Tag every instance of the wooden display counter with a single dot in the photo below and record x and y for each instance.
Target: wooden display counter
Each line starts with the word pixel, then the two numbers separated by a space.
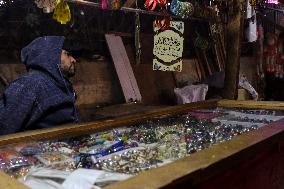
pixel 251 160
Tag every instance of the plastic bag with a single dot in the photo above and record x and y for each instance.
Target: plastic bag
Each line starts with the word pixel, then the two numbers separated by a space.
pixel 191 93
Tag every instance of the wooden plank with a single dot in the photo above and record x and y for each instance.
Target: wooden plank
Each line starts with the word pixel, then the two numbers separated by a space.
pixel 201 65
pixel 123 68
pixel 252 104
pixel 208 65
pixel 120 69
pixel 197 67
pixel 6 182
pixel 128 68
pixel 129 3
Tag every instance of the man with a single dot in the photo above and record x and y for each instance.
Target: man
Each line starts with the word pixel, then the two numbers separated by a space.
pixel 43 97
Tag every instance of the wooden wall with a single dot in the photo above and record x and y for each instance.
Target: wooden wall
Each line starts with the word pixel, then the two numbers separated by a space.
pixel 95 82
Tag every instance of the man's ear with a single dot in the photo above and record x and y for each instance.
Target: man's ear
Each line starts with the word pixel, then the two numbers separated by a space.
pixel 24 55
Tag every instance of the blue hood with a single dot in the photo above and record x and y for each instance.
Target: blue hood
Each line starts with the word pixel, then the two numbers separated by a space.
pixel 44 54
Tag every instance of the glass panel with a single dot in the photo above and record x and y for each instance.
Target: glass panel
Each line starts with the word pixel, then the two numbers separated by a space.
pixel 118 154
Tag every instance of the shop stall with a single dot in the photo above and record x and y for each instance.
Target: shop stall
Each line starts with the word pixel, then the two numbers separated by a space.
pixel 211 144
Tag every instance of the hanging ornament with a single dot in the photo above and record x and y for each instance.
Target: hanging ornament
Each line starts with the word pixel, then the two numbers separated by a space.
pixel 115 4
pixel 182 9
pixel 47 5
pixel 104 4
pixel 271 1
pixel 163 22
pixel 62 12
pixel 260 70
pixel 168 47
pixel 200 42
pixel 251 30
pixel 152 4
pixel 270 52
pixel 137 36
pixel 254 3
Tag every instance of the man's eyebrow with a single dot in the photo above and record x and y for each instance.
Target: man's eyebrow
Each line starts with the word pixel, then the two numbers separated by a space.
pixel 67 52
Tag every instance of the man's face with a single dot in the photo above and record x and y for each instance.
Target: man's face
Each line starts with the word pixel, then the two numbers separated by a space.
pixel 67 64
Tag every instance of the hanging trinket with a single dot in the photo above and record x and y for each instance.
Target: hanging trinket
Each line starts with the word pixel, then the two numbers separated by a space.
pixel 47 5
pixel 223 11
pixel 200 42
pixel 260 70
pixel 13 160
pixel 280 58
pixel 182 9
pixel 137 37
pixel 104 4
pixel 152 4
pixel 115 4
pixel 62 12
pixel 163 22
pixel 254 3
pixel 270 52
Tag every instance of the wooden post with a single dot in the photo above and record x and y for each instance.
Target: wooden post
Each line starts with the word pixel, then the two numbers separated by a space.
pixel 234 33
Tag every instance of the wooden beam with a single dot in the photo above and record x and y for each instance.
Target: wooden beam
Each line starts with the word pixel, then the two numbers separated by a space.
pixel 269 21
pixel 252 104
pixel 129 3
pixel 233 49
pixel 8 182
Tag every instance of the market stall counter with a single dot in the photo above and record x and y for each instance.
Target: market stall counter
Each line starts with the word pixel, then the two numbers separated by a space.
pixel 211 144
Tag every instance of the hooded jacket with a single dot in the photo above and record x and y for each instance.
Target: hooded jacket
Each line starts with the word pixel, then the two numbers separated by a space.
pixel 42 97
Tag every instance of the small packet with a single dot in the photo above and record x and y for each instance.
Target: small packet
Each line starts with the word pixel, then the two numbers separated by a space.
pixel 105 149
pixel 3 165
pixel 13 159
pixel 28 149
pixel 19 172
pixel 57 147
pixel 53 158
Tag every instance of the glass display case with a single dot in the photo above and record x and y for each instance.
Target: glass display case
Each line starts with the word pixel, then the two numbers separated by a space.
pixel 189 145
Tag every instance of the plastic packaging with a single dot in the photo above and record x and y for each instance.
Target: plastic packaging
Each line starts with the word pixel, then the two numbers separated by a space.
pixel 28 149
pixel 53 158
pixel 13 159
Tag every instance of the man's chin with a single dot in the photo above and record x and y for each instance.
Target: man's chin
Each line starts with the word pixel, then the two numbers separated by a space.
pixel 71 74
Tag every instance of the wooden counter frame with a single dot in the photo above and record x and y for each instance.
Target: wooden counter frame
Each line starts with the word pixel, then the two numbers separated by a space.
pixel 189 171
